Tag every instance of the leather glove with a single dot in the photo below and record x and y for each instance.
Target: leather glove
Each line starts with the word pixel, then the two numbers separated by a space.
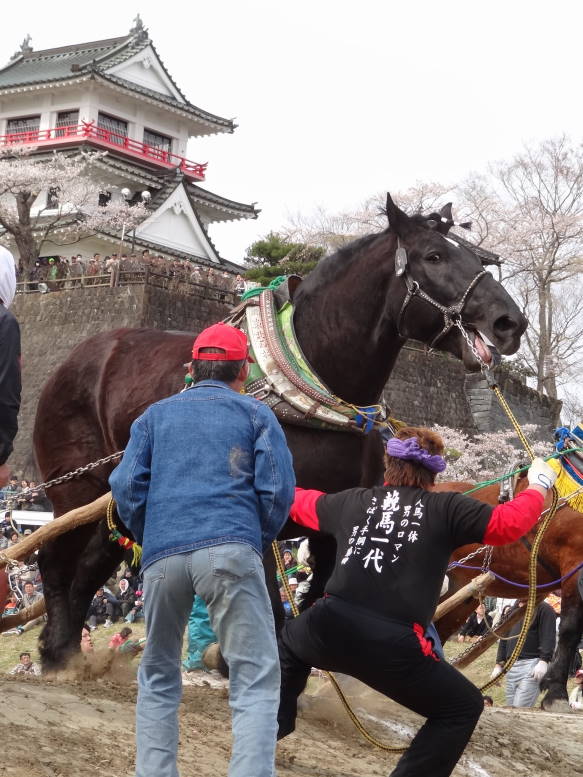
pixel 541 474
pixel 495 672
pixel 540 670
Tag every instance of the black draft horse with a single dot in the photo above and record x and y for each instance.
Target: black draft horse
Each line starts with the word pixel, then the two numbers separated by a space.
pixel 352 316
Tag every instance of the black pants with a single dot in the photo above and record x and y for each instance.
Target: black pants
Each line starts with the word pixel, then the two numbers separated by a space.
pixel 389 657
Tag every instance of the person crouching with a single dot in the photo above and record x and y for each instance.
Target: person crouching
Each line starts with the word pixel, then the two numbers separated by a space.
pixel 393 547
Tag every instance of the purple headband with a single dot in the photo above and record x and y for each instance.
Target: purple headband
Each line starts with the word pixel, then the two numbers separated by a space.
pixel 410 450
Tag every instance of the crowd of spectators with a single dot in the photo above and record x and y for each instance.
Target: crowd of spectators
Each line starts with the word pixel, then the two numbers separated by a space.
pixel 121 599
pixel 23 495
pixel 79 270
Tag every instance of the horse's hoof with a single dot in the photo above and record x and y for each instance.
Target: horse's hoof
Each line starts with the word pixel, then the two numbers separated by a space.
pixel 556 705
pixel 212 658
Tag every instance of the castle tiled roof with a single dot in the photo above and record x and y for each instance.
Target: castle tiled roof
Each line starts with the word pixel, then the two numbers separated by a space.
pixel 95 59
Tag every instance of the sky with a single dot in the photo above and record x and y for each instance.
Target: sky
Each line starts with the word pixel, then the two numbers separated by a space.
pixel 337 100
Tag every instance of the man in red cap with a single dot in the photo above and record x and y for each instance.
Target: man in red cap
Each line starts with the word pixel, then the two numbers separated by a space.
pixel 205 484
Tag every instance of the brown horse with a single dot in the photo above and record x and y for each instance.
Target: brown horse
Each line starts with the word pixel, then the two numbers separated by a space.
pixel 561 551
pixel 352 316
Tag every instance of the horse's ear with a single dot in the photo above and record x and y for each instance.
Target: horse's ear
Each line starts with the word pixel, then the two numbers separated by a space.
pixel 445 219
pixel 446 212
pixel 398 220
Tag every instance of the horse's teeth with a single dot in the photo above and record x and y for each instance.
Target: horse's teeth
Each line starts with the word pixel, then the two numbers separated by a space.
pixel 486 340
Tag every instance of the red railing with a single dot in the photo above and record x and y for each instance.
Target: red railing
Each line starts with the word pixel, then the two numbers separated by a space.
pixel 103 137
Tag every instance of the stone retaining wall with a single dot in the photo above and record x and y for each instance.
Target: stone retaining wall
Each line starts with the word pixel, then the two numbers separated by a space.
pixel 425 388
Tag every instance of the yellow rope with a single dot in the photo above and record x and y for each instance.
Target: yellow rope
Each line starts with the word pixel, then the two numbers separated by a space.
pixel 532 563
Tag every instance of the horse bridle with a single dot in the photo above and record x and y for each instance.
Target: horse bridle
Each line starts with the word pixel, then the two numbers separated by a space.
pixel 452 315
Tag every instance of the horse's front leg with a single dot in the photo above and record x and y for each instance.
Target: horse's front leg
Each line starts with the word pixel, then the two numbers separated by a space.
pixel 98 562
pixel 570 630
pixel 57 562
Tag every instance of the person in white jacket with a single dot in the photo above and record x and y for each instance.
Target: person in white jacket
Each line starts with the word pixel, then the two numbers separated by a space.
pixel 9 363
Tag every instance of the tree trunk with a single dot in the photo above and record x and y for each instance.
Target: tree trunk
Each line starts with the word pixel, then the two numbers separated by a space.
pixel 543 340
pixel 23 234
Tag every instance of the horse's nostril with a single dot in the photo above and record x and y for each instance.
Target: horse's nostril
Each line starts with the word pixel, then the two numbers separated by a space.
pixel 505 325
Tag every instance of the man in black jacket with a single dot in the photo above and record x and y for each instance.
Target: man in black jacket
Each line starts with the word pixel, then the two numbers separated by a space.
pixel 523 680
pixel 9 363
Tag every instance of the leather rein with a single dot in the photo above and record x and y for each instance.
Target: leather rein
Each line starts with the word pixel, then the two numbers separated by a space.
pixel 452 315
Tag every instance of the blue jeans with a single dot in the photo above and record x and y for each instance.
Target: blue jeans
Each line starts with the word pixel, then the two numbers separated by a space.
pixel 230 579
pixel 522 689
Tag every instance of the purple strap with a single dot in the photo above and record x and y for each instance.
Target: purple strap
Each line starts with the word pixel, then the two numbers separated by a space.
pixel 410 450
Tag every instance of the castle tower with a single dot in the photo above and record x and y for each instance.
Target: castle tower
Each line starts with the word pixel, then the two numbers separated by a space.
pixel 116 95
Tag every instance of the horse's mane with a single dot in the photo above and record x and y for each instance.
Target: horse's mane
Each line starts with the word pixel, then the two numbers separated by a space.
pixel 330 267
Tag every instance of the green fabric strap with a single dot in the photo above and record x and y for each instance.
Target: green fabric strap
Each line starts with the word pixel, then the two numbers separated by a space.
pixel 272 286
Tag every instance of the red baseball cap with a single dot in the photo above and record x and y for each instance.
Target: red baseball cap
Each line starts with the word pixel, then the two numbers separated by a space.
pixel 232 341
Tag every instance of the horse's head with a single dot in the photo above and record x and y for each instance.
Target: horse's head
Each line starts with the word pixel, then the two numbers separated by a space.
pixel 439 287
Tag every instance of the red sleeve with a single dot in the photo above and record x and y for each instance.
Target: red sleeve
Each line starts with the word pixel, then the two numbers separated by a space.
pixel 303 510
pixel 512 520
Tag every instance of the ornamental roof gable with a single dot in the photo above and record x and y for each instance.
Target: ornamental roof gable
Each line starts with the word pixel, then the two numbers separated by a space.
pixel 146 70
pixel 175 223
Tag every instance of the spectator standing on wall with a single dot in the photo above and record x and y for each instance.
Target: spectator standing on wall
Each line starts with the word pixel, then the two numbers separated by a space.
pixel 10 384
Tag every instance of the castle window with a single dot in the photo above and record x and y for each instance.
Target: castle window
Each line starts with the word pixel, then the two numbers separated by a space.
pixel 114 130
pixel 25 125
pixel 66 119
pixel 157 141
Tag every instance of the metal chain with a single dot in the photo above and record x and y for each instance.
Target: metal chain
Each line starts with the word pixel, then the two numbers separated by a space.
pixel 488 558
pixel 74 473
pixel 471 345
pixel 468 557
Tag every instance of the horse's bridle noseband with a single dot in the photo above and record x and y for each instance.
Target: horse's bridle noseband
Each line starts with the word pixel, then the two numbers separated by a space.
pixel 452 315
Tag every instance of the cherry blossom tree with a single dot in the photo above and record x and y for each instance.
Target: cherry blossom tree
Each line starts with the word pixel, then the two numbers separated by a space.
pixel 58 198
pixel 488 456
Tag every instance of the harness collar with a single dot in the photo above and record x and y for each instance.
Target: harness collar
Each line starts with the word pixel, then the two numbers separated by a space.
pixel 452 315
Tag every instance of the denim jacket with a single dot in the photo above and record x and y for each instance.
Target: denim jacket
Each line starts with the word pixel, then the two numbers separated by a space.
pixel 204 467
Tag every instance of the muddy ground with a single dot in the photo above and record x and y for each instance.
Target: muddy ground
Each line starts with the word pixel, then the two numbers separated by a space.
pixel 82 728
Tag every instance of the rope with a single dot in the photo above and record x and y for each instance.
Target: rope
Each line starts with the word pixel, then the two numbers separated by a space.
pixel 523 585
pixel 116 536
pixel 341 695
pixel 506 475
pixel 532 564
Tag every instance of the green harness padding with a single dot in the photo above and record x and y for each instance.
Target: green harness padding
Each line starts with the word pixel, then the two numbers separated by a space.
pixel 364 418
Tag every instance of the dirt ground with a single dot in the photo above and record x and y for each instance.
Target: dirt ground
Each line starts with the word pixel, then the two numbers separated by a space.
pixel 80 727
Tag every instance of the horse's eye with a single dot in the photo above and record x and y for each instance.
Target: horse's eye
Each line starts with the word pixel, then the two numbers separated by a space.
pixel 435 257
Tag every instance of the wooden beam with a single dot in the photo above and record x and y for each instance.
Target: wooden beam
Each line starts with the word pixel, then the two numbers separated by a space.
pixel 471 590
pixel 23 616
pixel 80 516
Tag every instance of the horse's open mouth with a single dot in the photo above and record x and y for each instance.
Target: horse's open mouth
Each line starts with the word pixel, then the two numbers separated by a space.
pixel 483 346
pixel 485 349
